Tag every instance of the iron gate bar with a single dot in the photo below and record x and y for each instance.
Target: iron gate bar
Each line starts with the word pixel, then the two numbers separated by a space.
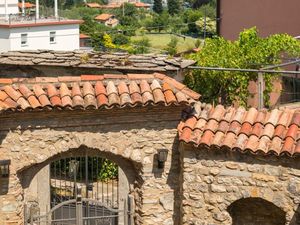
pixel 66 176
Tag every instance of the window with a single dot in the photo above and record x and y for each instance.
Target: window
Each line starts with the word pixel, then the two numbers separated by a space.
pixel 52 37
pixel 24 39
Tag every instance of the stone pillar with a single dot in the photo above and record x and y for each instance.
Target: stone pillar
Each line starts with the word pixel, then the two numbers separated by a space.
pixel 123 194
pixel 39 189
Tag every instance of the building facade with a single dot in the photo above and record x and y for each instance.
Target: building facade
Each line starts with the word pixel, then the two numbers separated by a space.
pixel 269 16
pixel 185 162
pixel 8 7
pixel 52 35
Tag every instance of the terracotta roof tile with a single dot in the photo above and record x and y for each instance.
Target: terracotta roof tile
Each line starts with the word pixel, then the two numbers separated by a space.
pixel 65 95
pixel 280 131
pixel 135 93
pixel 31 98
pixel 77 99
pixel 93 92
pixel 251 115
pixel 54 95
pixel 89 96
pixel 41 96
pixel 259 132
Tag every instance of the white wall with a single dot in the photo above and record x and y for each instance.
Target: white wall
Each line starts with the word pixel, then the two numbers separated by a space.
pixel 4 41
pixel 67 38
pixel 12 7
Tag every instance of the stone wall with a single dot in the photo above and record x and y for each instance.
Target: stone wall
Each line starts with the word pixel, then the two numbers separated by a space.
pixel 214 180
pixel 129 137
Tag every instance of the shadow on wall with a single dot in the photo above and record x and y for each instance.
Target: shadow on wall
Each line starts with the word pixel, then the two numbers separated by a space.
pixel 4 179
pixel 296 218
pixel 173 179
pixel 249 211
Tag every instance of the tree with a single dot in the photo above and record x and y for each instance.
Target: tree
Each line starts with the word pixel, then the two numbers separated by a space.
pixel 129 10
pixel 173 7
pixel 172 46
pixel 191 17
pixel 120 39
pixel 107 41
pixel 249 52
pixel 157 6
pixel 160 22
pixel 141 46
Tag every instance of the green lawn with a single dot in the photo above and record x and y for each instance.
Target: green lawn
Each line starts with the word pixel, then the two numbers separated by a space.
pixel 160 41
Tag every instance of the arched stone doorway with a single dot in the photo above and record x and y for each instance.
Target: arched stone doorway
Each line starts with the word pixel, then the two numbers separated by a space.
pixel 102 183
pixel 256 211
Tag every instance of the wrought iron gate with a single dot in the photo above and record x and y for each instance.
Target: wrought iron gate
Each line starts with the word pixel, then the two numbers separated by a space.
pixel 84 191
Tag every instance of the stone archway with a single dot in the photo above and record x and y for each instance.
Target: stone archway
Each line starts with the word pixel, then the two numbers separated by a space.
pixel 35 180
pixel 256 211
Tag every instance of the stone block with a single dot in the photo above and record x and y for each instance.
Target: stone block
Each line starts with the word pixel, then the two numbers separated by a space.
pixel 234 173
pixel 263 177
pixel 218 188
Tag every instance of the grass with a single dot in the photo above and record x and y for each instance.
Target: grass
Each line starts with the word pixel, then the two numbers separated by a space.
pixel 160 41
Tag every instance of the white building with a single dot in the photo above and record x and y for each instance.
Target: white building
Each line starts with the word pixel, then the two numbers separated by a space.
pixel 8 7
pixel 19 32
pixel 53 35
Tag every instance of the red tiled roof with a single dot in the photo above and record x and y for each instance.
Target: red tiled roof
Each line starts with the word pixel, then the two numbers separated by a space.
pixel 141 5
pixel 92 92
pixel 103 17
pixel 27 5
pixel 267 132
pixel 113 22
pixel 93 5
pixel 84 36
pixel 111 6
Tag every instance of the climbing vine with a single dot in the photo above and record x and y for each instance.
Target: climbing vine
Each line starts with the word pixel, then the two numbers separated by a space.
pixel 249 52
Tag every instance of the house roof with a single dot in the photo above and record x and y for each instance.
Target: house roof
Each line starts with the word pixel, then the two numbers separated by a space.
pixel 84 36
pixel 93 5
pixel 92 92
pixel 259 132
pixel 118 61
pixel 27 5
pixel 141 5
pixel 38 23
pixel 103 16
pixel 111 6
pixel 113 21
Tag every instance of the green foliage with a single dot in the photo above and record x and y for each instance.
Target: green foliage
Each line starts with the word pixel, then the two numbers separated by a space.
pixel 172 46
pixel 249 51
pixel 80 13
pixel 157 6
pixel 176 24
pixel 191 16
pixel 120 39
pixel 211 26
pixel 198 43
pixel 108 171
pixel 107 41
pixel 173 6
pixel 141 46
pixel 160 22
pixel 129 10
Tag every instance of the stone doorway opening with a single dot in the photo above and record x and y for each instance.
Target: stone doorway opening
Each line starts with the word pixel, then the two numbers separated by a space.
pixel 82 189
pixel 256 211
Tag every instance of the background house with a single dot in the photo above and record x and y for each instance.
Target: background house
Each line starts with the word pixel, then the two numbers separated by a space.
pixel 32 32
pixel 107 19
pixel 269 16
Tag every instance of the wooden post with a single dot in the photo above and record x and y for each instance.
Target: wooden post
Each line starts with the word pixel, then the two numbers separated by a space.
pixel 261 88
